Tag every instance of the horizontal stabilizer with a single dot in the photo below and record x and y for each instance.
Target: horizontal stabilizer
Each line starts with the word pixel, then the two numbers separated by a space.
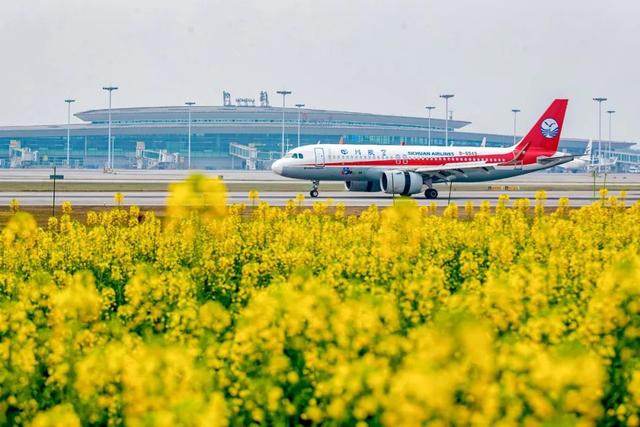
pixel 546 160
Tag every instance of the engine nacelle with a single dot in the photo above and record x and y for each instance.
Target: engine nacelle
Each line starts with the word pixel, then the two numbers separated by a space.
pixel 401 182
pixel 364 186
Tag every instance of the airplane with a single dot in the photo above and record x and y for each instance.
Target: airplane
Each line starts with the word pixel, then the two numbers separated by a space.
pixel 405 169
pixel 581 162
pixel 587 161
pixel 606 162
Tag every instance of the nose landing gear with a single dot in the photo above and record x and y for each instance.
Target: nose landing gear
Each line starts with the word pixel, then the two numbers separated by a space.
pixel 314 189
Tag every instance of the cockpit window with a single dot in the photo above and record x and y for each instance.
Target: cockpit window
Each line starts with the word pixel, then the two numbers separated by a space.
pixel 300 156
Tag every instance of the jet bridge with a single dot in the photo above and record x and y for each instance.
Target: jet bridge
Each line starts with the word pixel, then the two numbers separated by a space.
pixel 247 153
pixel 155 159
pixel 21 157
pixel 251 157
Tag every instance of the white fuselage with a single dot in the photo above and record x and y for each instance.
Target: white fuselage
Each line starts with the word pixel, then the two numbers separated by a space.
pixel 585 163
pixel 580 163
pixel 340 162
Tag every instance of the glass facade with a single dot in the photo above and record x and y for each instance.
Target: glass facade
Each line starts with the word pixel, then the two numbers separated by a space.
pixel 208 150
pixel 214 129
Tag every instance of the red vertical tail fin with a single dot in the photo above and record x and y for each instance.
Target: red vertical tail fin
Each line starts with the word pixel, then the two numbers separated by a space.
pixel 544 136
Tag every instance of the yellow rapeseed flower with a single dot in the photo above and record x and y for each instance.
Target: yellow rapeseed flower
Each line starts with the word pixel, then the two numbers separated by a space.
pixel 118 198
pixel 393 316
pixel 14 205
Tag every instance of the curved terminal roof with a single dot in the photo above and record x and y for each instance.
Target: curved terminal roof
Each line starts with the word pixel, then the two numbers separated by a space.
pixel 242 114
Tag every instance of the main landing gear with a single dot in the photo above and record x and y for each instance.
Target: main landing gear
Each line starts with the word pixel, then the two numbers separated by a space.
pixel 431 193
pixel 314 190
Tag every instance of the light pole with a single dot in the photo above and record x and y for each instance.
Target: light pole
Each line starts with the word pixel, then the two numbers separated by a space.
pixel 446 117
pixel 599 100
pixel 299 107
pixel 189 104
pixel 429 107
pixel 515 112
pixel 69 101
pixel 610 112
pixel 109 156
pixel 284 94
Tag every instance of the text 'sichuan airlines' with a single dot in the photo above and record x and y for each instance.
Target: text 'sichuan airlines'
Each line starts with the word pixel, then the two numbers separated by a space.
pixel 405 169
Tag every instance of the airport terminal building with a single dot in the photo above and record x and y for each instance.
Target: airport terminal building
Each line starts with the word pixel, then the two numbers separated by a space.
pixel 226 137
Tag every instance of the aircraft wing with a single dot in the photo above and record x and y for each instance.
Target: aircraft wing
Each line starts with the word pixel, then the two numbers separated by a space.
pixel 443 172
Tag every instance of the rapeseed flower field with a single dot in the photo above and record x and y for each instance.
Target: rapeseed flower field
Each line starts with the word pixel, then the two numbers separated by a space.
pixel 222 316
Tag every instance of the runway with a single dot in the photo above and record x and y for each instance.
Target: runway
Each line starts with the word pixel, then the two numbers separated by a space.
pixel 275 198
pixel 278 191
pixel 134 175
pixel 264 176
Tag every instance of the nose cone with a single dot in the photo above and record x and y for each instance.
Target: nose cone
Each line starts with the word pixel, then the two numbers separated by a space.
pixel 277 166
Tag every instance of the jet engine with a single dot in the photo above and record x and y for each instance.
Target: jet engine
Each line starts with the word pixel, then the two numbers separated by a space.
pixel 365 186
pixel 401 182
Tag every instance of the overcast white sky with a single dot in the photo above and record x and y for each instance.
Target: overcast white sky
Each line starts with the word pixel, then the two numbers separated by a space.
pixel 386 56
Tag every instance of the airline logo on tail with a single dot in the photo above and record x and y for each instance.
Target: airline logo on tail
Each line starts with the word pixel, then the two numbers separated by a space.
pixel 543 138
pixel 549 128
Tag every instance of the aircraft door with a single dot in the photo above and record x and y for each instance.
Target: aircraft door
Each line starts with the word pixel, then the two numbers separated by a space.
pixel 319 152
